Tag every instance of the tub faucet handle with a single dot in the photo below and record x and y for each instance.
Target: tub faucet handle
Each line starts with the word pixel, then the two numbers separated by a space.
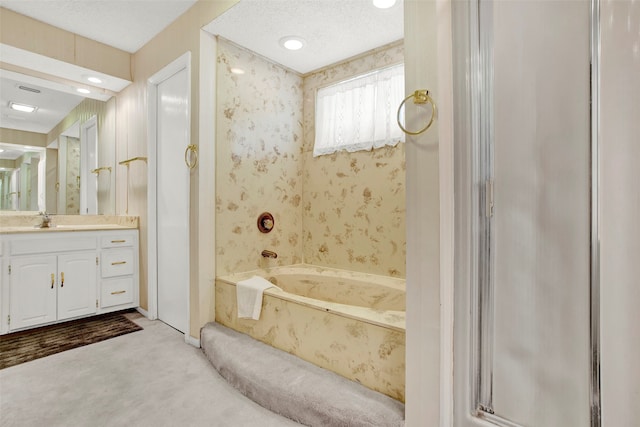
pixel 269 254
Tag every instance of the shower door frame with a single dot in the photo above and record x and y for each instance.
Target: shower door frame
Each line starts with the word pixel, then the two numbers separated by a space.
pixel 473 254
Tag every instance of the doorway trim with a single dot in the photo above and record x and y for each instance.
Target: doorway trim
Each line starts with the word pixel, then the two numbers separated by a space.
pixel 206 175
pixel 179 64
pixel 87 152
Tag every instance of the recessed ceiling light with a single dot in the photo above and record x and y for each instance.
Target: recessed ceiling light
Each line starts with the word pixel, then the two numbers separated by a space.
pixel 384 4
pixel 22 107
pixel 1 150
pixel 94 79
pixel 237 71
pixel 83 90
pixel 292 42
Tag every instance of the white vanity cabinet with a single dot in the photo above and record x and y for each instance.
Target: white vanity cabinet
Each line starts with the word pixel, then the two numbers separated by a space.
pixel 118 271
pixel 52 276
pixel 33 290
pixel 47 288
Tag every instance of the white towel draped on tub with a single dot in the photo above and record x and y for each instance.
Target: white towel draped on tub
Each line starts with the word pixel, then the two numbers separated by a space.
pixel 249 296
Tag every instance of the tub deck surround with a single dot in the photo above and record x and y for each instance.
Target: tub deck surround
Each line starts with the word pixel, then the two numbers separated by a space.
pixel 10 224
pixel 363 344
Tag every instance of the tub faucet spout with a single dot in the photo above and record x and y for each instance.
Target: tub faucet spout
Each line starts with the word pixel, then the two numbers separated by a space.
pixel 269 254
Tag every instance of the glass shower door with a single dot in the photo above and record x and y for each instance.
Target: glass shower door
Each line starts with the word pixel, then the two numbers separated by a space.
pixel 534 247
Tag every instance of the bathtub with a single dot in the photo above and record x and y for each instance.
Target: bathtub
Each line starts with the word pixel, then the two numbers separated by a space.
pixel 347 322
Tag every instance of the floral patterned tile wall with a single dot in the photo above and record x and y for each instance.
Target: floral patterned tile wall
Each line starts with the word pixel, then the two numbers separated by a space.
pixel 354 203
pixel 258 161
pixel 345 210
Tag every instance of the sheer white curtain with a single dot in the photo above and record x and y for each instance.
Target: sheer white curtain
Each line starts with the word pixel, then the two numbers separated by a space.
pixel 360 113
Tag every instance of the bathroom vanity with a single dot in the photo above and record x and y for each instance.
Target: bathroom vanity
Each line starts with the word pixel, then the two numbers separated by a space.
pixel 66 272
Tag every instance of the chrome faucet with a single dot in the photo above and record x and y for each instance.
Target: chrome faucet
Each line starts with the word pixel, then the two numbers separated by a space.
pixel 46 220
pixel 269 254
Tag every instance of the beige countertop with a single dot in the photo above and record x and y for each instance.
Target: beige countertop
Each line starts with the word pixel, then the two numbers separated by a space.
pixel 11 224
pixel 63 228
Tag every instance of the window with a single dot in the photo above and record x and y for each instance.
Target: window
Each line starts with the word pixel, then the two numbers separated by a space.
pixel 359 113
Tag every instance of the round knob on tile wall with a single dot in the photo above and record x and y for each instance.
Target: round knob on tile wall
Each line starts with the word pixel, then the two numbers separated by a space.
pixel 265 222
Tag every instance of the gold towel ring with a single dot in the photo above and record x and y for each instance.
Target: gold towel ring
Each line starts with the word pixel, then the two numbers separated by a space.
pixel 420 97
pixel 187 158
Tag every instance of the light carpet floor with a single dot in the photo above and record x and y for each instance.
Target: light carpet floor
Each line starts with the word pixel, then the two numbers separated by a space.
pixel 147 378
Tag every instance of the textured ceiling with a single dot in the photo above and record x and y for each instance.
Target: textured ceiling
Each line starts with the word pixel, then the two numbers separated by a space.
pixel 334 30
pixel 125 24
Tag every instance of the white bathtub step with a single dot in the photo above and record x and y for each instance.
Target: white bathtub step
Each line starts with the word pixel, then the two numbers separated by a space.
pixel 294 388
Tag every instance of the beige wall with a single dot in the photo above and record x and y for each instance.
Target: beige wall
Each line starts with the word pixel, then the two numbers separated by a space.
pixel 354 203
pixel 4 163
pixel 28 34
pixel 12 136
pixel 259 165
pixel 179 37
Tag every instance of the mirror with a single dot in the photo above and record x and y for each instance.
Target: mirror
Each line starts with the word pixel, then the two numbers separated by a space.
pixel 21 170
pixel 60 157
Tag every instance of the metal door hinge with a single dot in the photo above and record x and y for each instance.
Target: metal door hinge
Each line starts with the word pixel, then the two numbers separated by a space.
pixel 96 303
pixel 488 194
pixel 96 260
pixel 9 269
pixel 9 319
pixel 486 409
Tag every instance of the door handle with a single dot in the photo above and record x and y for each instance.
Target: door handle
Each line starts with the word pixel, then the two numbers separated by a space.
pixel 62 279
pixel 191 148
pixel 53 279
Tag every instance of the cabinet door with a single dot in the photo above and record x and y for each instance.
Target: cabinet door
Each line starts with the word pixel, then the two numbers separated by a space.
pixel 32 290
pixel 76 284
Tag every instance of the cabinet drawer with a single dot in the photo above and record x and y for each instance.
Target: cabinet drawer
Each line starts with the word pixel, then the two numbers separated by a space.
pixel 116 292
pixel 117 262
pixel 58 243
pixel 117 240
